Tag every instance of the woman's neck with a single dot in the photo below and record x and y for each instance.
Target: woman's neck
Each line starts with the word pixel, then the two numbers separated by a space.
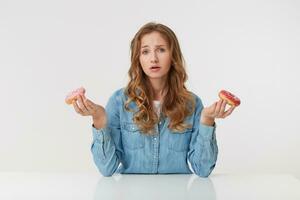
pixel 158 86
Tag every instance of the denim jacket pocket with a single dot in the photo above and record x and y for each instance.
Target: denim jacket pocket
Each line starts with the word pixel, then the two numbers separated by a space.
pixel 131 136
pixel 179 141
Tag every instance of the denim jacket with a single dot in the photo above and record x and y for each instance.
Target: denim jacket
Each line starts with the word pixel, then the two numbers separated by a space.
pixel 120 146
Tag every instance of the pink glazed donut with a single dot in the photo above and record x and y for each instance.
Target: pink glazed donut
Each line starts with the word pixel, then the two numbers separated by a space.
pixel 72 96
pixel 230 98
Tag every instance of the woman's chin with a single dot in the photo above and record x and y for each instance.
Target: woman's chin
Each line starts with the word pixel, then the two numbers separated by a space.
pixel 156 76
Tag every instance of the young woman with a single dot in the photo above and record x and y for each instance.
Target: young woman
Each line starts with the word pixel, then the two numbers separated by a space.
pixel 154 124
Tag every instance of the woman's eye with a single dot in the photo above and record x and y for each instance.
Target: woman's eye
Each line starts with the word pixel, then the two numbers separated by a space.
pixel 144 52
pixel 162 50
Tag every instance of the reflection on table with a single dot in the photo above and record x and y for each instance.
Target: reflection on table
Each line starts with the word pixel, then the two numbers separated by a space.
pixel 137 187
pixel 93 186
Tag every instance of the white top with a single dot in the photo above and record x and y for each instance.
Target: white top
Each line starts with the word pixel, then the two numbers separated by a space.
pixel 157 106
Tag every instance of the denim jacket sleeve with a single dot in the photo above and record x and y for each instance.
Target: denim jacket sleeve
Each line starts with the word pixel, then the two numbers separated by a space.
pixel 203 149
pixel 106 148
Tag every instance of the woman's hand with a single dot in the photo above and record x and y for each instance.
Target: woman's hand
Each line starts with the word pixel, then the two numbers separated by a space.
pixel 216 110
pixel 86 107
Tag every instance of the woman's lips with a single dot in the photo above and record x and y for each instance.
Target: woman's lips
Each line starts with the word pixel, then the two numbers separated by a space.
pixel 155 68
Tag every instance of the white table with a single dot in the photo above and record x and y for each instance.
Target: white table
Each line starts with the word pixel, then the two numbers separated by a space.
pixel 14 185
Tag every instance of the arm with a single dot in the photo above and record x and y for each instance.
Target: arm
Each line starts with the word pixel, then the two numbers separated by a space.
pixel 203 149
pixel 106 145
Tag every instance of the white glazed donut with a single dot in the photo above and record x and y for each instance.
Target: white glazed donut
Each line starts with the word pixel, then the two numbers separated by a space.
pixel 72 96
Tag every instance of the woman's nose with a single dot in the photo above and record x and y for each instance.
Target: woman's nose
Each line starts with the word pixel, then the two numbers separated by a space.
pixel 154 57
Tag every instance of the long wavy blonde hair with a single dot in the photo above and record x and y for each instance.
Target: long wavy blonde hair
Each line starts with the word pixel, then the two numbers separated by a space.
pixel 178 102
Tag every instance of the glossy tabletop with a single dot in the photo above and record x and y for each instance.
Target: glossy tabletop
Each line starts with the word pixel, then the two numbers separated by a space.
pixel 15 185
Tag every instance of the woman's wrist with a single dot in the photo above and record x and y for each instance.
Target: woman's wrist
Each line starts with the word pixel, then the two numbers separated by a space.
pixel 98 124
pixel 99 121
pixel 208 121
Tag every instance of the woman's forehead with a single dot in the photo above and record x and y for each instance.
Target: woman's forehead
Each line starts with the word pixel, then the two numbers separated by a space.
pixel 153 39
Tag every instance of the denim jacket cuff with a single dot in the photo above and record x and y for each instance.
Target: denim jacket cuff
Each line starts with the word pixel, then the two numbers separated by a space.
pixel 101 134
pixel 207 132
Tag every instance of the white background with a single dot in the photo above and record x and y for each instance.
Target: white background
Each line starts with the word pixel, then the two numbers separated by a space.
pixel 48 48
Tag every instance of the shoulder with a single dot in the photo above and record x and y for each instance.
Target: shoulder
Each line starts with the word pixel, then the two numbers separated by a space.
pixel 118 95
pixel 119 92
pixel 198 100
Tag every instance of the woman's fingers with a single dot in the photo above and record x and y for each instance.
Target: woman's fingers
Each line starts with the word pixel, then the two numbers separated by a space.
pixel 229 111
pixel 85 106
pixel 223 106
pixel 209 111
pixel 81 104
pixel 91 106
pixel 77 109
pixel 81 107
pixel 222 109
pixel 217 110
pixel 90 103
pixel 218 107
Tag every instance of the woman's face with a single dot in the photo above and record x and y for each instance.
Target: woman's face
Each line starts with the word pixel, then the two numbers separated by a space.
pixel 155 56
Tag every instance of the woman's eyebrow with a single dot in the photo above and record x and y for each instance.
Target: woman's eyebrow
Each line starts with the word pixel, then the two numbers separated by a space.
pixel 161 45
